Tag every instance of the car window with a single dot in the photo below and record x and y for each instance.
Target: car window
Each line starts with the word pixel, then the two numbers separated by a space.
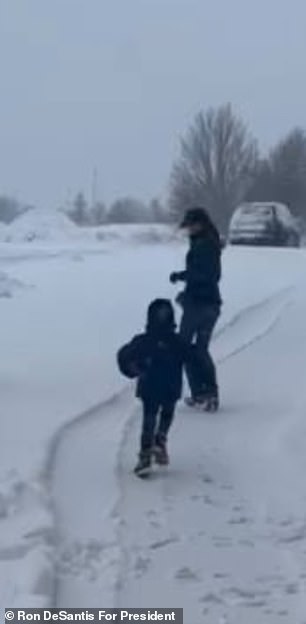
pixel 257 210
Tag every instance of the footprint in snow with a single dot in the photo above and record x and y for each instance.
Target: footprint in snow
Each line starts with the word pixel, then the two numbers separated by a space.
pixel 240 520
pixel 43 534
pixel 297 536
pixel 186 574
pixel 151 513
pixel 255 604
pixel 237 508
pixel 246 542
pixel 77 558
pixel 291 589
pixel 142 564
pixel 227 488
pixel 212 598
pixel 207 479
pixel 155 525
pixel 286 522
pixel 247 597
pixel 222 542
pixel 163 543
pixel 209 501
pixel 274 580
pixel 268 611
pixel 195 497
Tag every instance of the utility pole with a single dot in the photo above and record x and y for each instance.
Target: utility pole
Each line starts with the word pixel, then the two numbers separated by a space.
pixel 94 187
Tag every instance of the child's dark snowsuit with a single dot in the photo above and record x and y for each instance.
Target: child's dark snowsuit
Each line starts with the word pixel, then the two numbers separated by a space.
pixel 156 358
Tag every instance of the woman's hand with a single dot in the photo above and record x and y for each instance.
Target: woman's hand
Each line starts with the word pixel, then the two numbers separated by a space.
pixel 174 277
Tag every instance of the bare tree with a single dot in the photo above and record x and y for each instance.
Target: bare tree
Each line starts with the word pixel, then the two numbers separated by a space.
pixel 282 176
pixel 218 157
pixel 288 166
pixel 262 186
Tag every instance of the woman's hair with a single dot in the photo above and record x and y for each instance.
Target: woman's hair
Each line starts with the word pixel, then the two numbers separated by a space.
pixel 208 226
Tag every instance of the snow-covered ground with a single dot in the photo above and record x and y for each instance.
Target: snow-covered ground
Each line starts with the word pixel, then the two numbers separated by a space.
pixel 222 534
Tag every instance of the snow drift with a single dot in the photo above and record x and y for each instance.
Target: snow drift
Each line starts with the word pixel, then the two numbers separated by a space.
pixel 53 226
pixel 38 225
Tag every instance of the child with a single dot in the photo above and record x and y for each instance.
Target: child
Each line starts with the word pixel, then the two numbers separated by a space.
pixel 156 358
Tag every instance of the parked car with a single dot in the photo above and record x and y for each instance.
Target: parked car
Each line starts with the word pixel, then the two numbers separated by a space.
pixel 264 223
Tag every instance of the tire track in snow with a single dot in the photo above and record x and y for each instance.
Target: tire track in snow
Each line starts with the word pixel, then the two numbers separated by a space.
pixel 236 335
pixel 273 308
pixel 83 563
pixel 78 553
pixel 253 307
pixel 236 536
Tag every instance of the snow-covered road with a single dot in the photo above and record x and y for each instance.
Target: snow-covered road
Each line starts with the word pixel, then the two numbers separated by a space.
pixel 223 532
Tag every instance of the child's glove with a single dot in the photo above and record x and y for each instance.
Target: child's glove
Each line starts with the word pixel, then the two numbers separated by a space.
pixel 138 369
pixel 134 369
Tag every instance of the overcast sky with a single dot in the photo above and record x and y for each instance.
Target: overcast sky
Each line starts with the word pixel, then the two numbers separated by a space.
pixel 112 84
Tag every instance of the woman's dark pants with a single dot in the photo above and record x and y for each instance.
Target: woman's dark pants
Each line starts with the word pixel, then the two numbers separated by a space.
pixel 197 325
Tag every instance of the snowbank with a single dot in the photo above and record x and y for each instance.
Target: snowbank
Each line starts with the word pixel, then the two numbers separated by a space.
pixel 47 226
pixel 40 225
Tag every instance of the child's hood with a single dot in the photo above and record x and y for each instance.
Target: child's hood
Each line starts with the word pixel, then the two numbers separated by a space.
pixel 160 316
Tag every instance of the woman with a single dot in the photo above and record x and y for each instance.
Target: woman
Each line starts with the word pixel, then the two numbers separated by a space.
pixel 201 303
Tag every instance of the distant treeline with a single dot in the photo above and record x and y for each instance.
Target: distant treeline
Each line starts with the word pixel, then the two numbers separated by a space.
pixel 219 166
